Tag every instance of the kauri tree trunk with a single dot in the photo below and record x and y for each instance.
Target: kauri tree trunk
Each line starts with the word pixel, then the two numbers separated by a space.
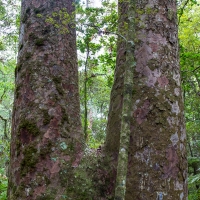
pixel 46 128
pixel 157 167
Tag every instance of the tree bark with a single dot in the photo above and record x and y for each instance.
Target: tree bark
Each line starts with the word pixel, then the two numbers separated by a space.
pixel 112 141
pixel 122 165
pixel 157 159
pixel 157 166
pixel 46 144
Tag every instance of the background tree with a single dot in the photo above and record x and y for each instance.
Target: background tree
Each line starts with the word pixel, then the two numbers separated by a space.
pixel 46 142
pixel 96 63
pixel 115 109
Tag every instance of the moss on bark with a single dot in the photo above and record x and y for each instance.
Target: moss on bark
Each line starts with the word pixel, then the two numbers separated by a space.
pixel 29 126
pixel 30 159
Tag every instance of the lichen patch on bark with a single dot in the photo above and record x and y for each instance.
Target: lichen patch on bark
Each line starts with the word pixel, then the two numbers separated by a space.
pixel 141 113
pixel 171 170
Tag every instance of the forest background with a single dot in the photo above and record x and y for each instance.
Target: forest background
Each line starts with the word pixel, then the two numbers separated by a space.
pixel 96 43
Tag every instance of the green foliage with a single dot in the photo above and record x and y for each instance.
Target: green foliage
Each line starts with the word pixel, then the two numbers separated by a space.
pixel 9 23
pixel 2 45
pixel 194 179
pixel 2 11
pixel 189 35
pixel 193 184
pixel 3 184
pixel 96 42
pixel 4 159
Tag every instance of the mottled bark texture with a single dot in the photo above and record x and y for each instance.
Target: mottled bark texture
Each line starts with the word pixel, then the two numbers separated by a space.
pixel 46 127
pixel 157 166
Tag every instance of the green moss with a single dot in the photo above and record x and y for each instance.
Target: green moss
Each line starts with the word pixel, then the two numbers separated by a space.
pixel 17 91
pixel 28 10
pixel 18 68
pixel 46 149
pixel 18 145
pixel 12 186
pixel 28 55
pixel 170 14
pixel 125 26
pixel 37 63
pixel 57 82
pixel 60 90
pixel 65 117
pixel 133 92
pixel 39 41
pixel 46 117
pixel 137 20
pixel 49 195
pixel 148 11
pixel 39 15
pixel 30 159
pixel 140 11
pixel 151 11
pixel 18 191
pixel 32 36
pixel 64 176
pixel 24 18
pixel 38 10
pixel 71 146
pixel 47 180
pixel 31 127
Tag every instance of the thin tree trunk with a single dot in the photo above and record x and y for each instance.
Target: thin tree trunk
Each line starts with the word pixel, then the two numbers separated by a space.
pixel 46 129
pixel 120 188
pixel 194 165
pixel 112 141
pixel 86 95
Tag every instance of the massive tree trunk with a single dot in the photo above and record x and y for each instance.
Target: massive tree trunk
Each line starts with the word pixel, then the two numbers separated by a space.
pixel 46 127
pixel 157 166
